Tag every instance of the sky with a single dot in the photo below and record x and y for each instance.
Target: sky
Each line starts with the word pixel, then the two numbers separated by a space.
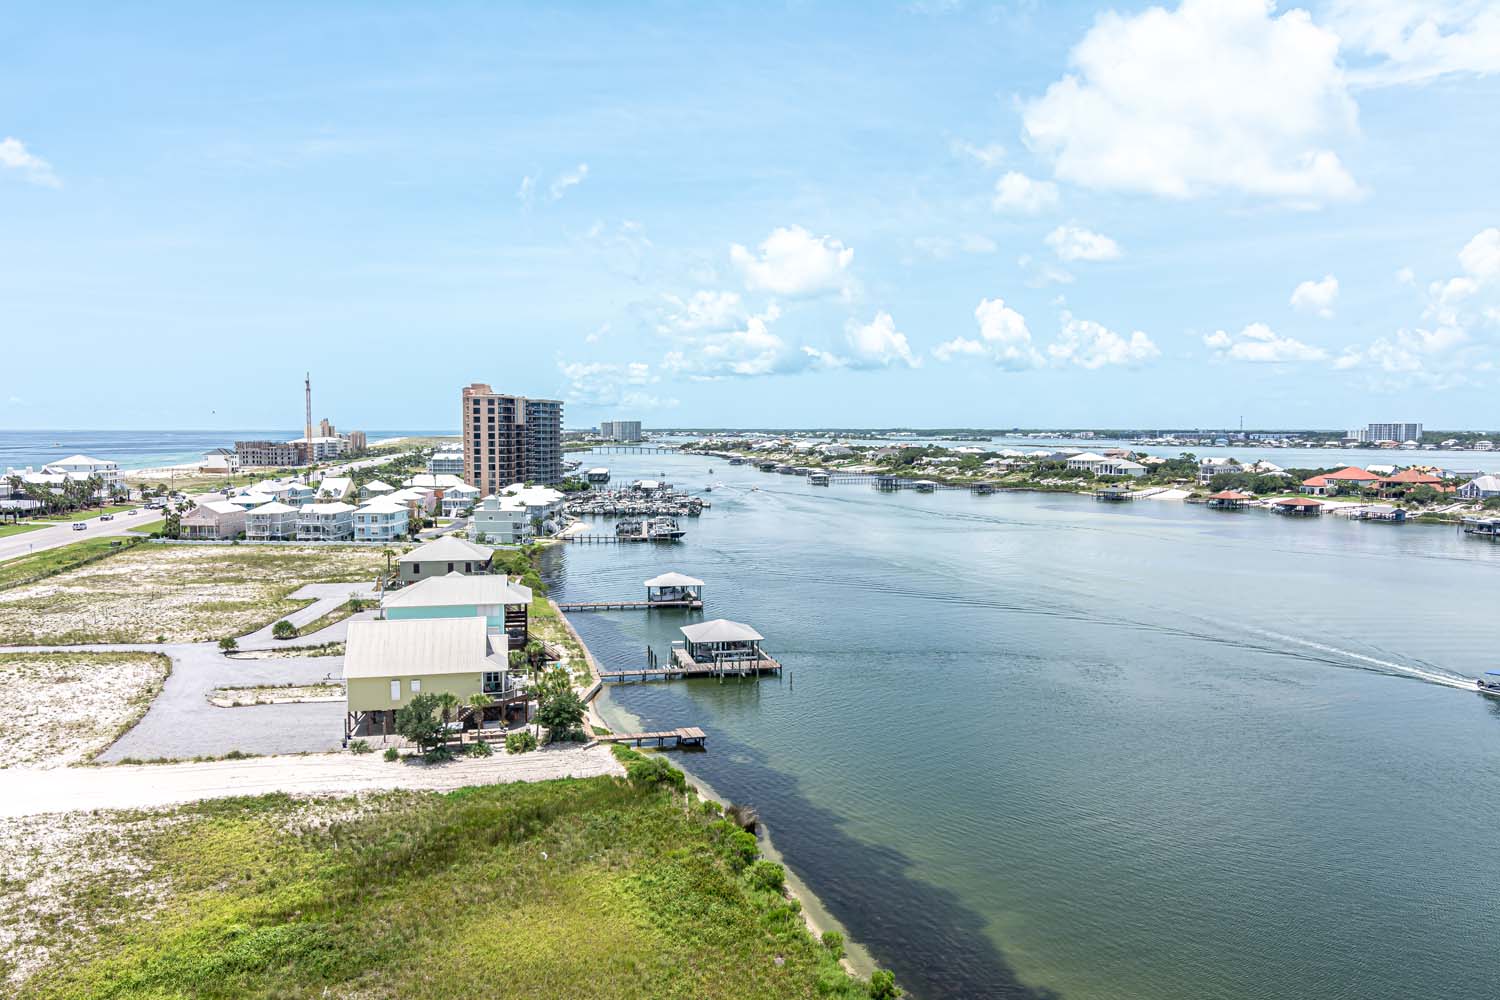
pixel 940 213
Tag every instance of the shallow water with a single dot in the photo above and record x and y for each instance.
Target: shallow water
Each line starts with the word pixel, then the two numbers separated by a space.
pixel 1031 745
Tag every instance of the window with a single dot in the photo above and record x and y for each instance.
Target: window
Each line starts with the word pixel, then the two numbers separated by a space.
pixel 416 569
pixel 395 690
pixel 416 686
pixel 450 567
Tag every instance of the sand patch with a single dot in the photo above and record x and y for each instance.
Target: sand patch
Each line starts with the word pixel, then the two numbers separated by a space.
pixel 63 708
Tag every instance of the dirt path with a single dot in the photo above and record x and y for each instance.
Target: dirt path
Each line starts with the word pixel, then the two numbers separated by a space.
pixel 25 792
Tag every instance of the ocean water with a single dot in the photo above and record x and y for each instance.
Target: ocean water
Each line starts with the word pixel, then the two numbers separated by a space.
pixel 141 449
pixel 1035 746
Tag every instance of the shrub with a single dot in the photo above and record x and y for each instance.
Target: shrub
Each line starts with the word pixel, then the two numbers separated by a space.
pixel 228 643
pixel 418 721
pixel 520 742
pixel 767 876
pixel 392 754
pixel 883 985
pixel 238 755
pixel 834 942
pixel 562 714
pixel 361 746
pixel 438 755
pixel 711 808
pixel 740 848
pixel 480 748
pixel 283 630
pixel 655 772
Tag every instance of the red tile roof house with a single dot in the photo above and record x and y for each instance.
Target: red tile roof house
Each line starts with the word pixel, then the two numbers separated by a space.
pixel 1351 478
pixel 1406 479
pixel 1318 486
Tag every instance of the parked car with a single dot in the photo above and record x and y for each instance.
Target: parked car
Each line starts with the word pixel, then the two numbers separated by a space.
pixel 80 526
pixel 130 513
pixel 106 517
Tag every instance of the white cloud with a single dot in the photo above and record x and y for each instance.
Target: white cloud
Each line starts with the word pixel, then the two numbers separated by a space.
pixel 1481 255
pixel 1406 276
pixel 795 263
pixel 599 383
pixel 1015 192
pixel 1041 273
pixel 1317 296
pixel 943 247
pixel 527 190
pixel 1003 338
pixel 991 155
pixel 1092 345
pixel 1259 344
pixel 15 156
pixel 1413 40
pixel 878 343
pixel 568 179
pixel 1077 243
pixel 1217 95
pixel 748 351
pixel 703 311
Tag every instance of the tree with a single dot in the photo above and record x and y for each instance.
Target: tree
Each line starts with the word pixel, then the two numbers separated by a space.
pixel 883 985
pixel 171 525
pixel 447 703
pixel 479 701
pixel 562 714
pixel 418 721
pixel 228 644
pixel 283 630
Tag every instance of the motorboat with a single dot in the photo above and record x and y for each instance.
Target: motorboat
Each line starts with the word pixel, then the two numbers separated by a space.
pixel 1489 683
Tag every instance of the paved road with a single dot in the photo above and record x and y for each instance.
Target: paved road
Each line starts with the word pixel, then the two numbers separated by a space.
pixel 25 791
pixel 55 535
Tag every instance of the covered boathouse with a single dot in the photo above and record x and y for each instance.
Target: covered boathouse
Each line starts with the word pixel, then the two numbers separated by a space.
pixel 674 590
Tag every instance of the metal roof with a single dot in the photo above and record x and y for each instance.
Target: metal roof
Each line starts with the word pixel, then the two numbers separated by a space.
pixel 417 647
pixel 447 548
pixel 720 630
pixel 459 589
pixel 673 580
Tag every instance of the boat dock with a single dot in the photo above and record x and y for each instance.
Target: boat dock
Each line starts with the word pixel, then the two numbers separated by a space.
pixel 684 666
pixel 692 605
pixel 687 736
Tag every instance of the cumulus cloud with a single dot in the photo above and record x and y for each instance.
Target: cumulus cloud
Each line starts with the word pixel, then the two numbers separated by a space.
pixel 795 263
pixel 1091 345
pixel 1004 339
pixel 1317 296
pixel 1077 243
pixel 749 350
pixel 1259 344
pixel 705 310
pixel 15 156
pixel 599 383
pixel 1217 95
pixel 878 343
pixel 1413 40
pixel 1017 193
pixel 1480 257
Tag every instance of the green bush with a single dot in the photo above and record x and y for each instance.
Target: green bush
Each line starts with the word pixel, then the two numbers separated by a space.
pixel 480 748
pixel 767 876
pixel 655 772
pixel 520 742
pixel 391 753
pixel 227 644
pixel 711 808
pixel 883 985
pixel 834 942
pixel 739 847
pixel 438 755
pixel 361 746
pixel 283 630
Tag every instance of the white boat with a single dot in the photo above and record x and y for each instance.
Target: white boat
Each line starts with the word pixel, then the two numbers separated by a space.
pixel 1489 683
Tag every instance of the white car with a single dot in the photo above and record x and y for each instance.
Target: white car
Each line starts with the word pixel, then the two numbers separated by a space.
pixel 80 526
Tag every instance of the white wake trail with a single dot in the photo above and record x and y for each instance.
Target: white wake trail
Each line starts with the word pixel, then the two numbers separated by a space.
pixel 1431 676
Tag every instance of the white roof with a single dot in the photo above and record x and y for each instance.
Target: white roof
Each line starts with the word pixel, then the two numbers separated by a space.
pixel 1088 456
pixel 275 507
pixel 382 505
pixel 720 630
pixel 326 508
pixel 459 589
pixel 253 499
pixel 376 484
pixel 335 485
pixel 673 580
pixel 462 489
pixel 80 460
pixel 218 507
pixel 447 548
pixel 1485 483
pixel 409 493
pixel 438 481
pixel 418 647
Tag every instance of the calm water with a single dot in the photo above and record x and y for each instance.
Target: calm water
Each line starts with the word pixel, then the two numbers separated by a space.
pixel 139 449
pixel 1035 746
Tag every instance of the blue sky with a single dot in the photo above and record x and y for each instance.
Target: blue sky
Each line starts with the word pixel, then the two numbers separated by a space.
pixel 932 214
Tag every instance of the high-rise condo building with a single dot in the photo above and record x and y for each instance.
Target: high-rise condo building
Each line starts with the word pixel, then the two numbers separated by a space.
pixel 620 430
pixel 510 439
pixel 1389 432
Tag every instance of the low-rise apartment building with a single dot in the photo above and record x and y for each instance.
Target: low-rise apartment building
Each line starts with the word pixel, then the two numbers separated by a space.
pixel 500 521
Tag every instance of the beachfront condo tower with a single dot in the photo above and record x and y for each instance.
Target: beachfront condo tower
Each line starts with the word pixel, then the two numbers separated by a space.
pixel 510 439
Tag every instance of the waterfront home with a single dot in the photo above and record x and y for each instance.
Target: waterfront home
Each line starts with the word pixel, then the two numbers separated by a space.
pixel 721 640
pixel 491 596
pixel 1480 488
pixel 214 520
pixel 500 521
pixel 1298 506
pixel 81 467
pixel 1351 478
pixel 1105 465
pixel 381 520
pixel 1228 500
pixel 335 488
pixel 674 588
pixel 220 462
pixel 443 556
pixel 1210 467
pixel 457 499
pixel 1408 479
pixel 387 663
pixel 375 488
pixel 272 522
pixel 325 522
pixel 1317 486
pixel 541 501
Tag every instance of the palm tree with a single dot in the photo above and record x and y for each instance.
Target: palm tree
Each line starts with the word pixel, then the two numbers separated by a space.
pixel 479 701
pixel 447 701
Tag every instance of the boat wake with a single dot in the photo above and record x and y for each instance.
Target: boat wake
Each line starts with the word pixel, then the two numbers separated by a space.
pixel 1431 676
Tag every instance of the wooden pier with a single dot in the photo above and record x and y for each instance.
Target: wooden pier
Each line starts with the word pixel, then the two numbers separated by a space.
pixel 687 736
pixel 627 605
pixel 684 666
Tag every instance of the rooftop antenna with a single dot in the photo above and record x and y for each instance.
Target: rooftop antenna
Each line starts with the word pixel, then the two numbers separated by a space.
pixel 307 436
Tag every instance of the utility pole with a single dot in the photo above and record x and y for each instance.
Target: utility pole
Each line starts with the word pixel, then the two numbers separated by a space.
pixel 307 432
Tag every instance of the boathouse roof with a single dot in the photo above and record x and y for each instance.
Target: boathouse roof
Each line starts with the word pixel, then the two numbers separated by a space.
pixel 674 580
pixel 720 630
